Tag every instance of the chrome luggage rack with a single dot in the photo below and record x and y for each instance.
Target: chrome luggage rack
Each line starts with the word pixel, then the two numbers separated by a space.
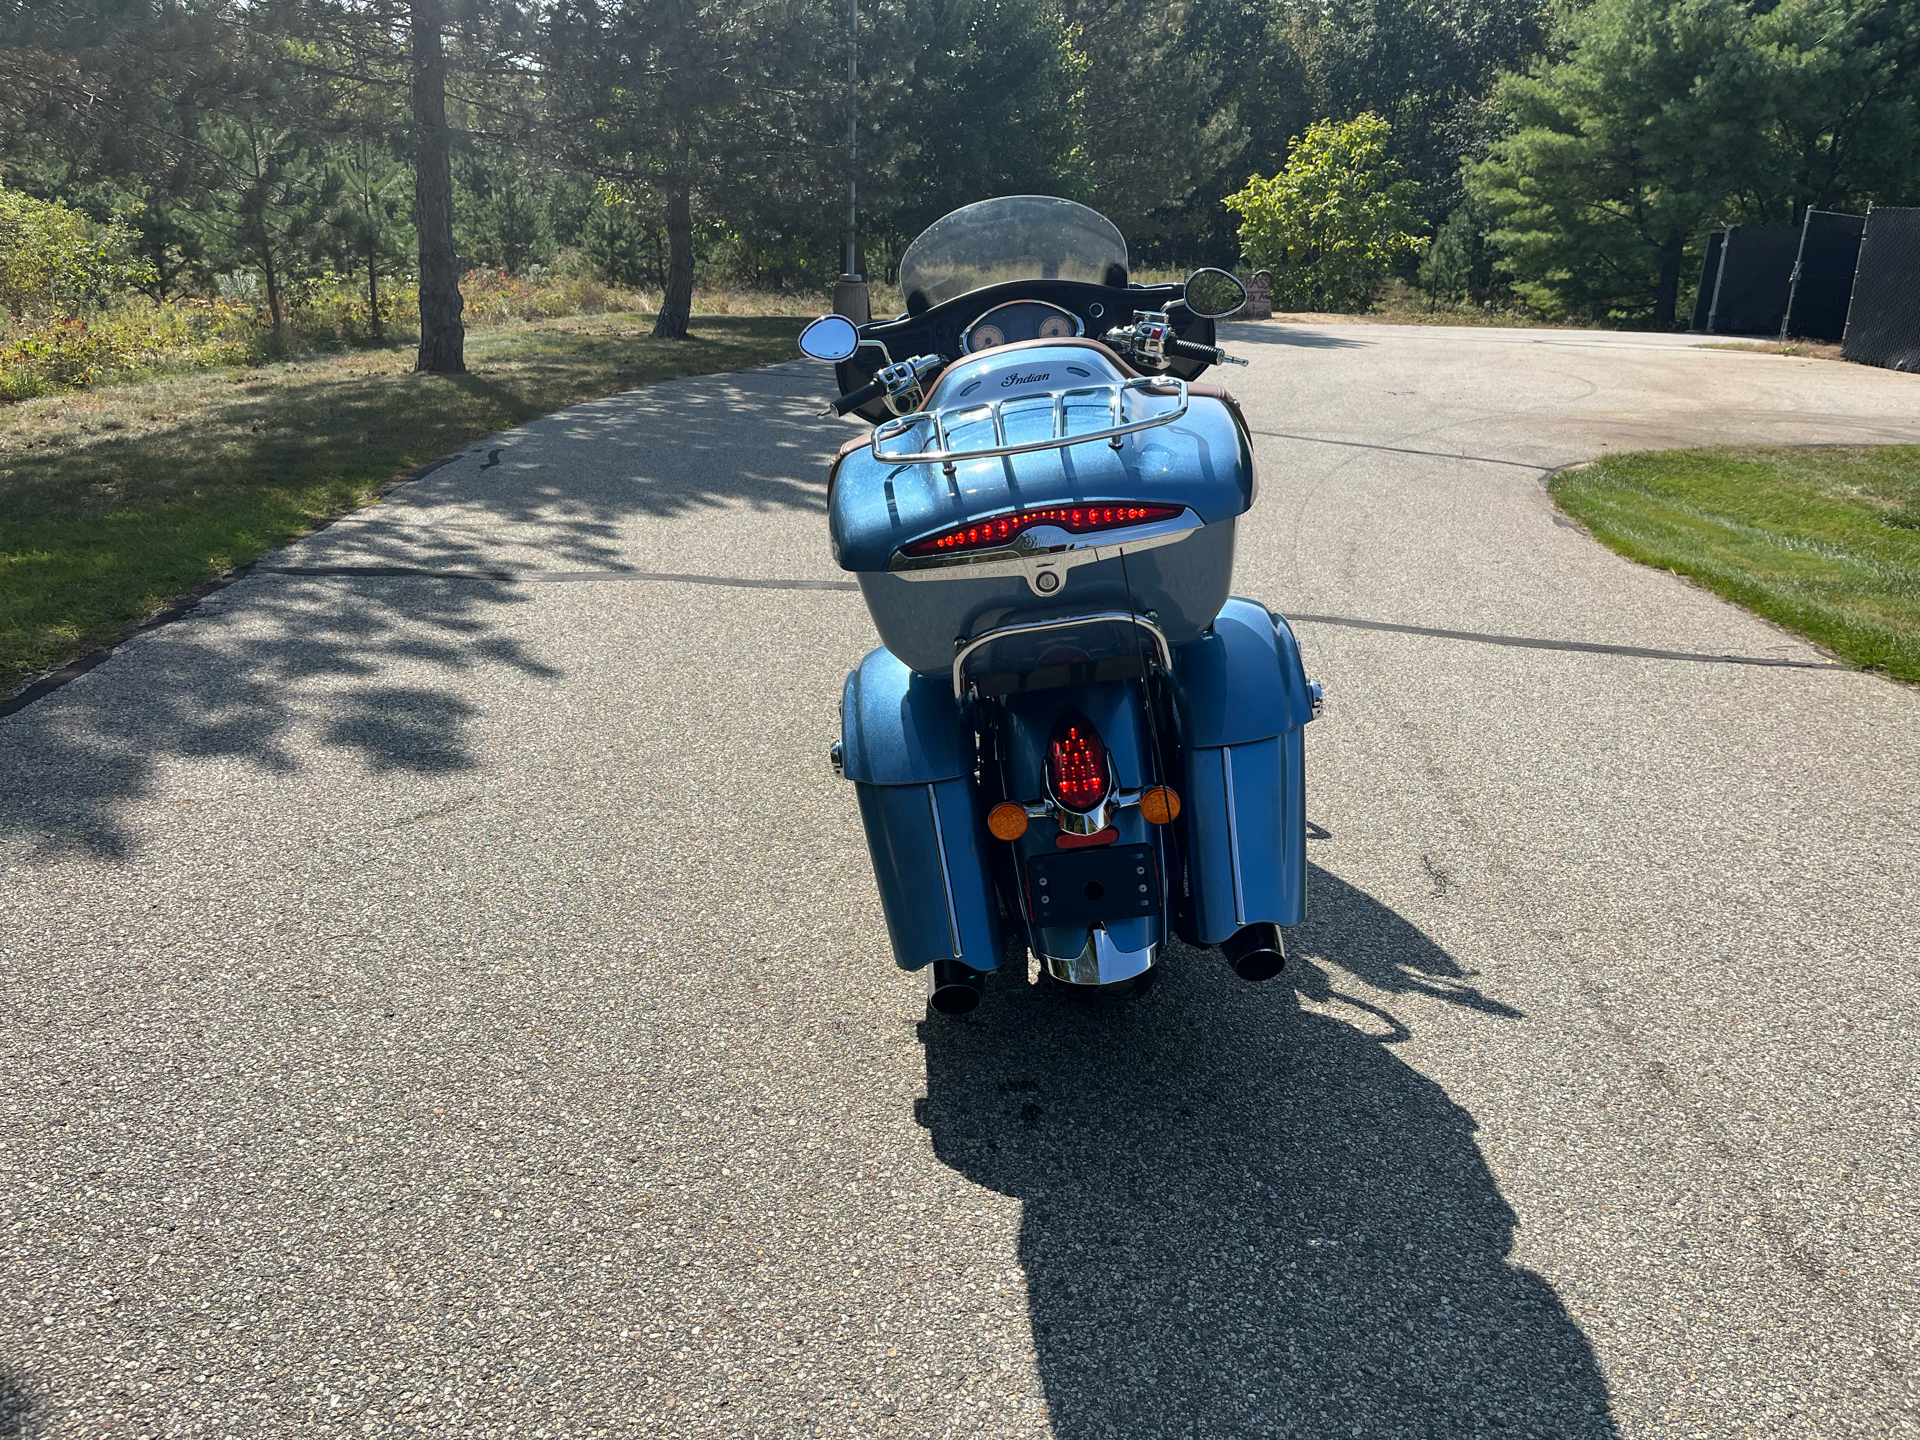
pixel 944 422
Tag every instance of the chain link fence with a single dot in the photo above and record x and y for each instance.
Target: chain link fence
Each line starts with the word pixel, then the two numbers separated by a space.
pixel 1883 323
pixel 1823 276
pixel 1751 285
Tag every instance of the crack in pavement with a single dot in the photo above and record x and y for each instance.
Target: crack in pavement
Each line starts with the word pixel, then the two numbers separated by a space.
pixel 1590 647
pixel 46 685
pixel 1403 450
pixel 540 577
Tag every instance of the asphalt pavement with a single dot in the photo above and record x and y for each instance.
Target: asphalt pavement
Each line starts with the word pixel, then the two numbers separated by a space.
pixel 442 990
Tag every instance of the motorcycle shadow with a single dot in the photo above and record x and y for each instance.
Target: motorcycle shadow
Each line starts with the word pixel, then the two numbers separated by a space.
pixel 1244 1218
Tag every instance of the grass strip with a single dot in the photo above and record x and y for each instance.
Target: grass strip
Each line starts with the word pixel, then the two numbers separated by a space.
pixel 1822 540
pixel 116 501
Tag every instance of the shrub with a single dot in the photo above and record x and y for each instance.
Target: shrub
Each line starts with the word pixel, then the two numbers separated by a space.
pixel 53 260
pixel 1334 221
pixel 60 354
pixel 495 297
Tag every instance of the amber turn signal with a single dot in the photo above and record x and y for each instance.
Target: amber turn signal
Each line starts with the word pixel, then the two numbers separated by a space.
pixel 1160 806
pixel 1007 821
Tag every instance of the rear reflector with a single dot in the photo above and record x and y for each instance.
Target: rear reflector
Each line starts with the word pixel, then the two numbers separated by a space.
pixel 1077 763
pixel 1007 821
pixel 1064 841
pixel 1160 805
pixel 1079 519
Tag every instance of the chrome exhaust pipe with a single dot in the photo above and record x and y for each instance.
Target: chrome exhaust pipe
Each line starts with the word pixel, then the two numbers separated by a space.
pixel 955 988
pixel 1256 951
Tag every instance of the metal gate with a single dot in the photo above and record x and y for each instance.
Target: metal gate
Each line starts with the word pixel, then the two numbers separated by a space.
pixel 1823 275
pixel 1709 273
pixel 1883 323
pixel 1752 281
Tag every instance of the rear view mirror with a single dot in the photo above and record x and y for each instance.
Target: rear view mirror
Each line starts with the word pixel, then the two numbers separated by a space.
pixel 831 337
pixel 1211 293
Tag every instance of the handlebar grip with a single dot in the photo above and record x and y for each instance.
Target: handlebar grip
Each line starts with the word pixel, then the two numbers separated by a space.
pixel 854 399
pixel 1187 350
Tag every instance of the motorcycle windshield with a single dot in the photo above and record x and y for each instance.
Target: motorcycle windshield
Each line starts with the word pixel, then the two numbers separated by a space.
pixel 1017 237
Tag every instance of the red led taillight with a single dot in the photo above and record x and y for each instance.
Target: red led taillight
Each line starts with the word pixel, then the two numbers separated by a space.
pixel 1079 519
pixel 1077 764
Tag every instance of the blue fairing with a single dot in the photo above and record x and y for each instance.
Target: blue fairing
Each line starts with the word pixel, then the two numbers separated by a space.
pixel 1242 699
pixel 906 746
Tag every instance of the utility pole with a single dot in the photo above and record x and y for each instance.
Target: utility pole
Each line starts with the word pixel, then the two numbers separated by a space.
pixel 852 266
pixel 850 293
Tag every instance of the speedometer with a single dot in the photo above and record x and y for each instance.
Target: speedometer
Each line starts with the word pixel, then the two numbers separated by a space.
pixel 1018 321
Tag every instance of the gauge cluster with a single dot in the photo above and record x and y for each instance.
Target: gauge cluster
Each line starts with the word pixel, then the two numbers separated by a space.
pixel 1008 314
pixel 1019 320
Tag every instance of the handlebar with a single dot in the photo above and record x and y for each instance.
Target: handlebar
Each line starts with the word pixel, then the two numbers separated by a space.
pixel 1149 343
pixel 1187 350
pixel 854 399
pixel 898 383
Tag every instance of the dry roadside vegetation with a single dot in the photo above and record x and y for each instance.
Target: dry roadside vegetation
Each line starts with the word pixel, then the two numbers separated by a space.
pixel 115 501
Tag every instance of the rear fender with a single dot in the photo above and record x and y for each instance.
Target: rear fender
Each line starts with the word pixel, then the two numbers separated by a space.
pixel 1028 719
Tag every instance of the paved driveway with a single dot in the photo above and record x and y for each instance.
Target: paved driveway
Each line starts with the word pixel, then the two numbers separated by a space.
pixel 459 1005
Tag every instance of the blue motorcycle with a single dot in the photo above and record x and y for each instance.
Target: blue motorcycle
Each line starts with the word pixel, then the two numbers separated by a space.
pixel 1073 734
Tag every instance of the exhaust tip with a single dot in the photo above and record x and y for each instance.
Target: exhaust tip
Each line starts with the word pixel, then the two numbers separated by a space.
pixel 956 988
pixel 1256 951
pixel 1257 965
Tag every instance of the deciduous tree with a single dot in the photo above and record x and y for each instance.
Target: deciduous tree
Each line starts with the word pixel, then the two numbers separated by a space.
pixel 1333 222
pixel 54 260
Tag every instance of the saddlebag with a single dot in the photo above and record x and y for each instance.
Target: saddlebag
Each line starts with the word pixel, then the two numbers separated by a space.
pixel 908 750
pixel 1243 697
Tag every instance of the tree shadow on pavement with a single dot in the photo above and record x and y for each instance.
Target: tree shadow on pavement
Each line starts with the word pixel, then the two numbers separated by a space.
pixel 278 669
pixel 1244 1218
pixel 267 673
pixel 568 485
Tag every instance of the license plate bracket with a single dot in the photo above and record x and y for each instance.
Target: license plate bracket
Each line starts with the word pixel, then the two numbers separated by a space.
pixel 1084 887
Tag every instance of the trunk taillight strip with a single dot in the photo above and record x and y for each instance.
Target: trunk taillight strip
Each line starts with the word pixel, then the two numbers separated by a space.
pixel 1000 530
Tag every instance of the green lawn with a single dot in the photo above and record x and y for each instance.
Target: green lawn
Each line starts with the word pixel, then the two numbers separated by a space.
pixel 115 501
pixel 1825 541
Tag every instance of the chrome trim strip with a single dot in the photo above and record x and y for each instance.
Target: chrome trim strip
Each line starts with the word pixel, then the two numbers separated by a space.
pixel 944 454
pixel 946 875
pixel 1029 545
pixel 1233 838
pixel 1094 820
pixel 1064 622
